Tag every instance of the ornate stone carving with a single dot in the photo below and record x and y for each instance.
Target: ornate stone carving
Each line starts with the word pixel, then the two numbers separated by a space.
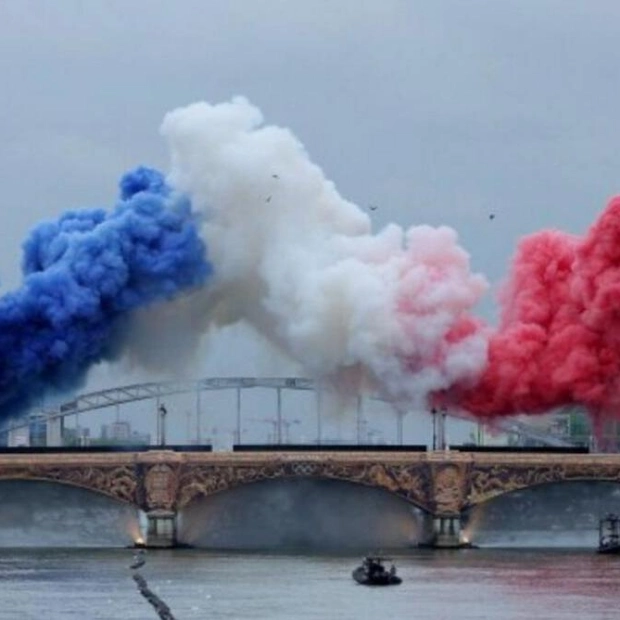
pixel 160 485
pixel 408 481
pixel 449 488
pixel 118 482
pixel 488 481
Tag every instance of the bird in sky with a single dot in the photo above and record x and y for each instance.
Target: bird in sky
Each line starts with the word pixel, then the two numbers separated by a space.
pixel 275 176
pixel 268 199
pixel 373 207
pixel 492 216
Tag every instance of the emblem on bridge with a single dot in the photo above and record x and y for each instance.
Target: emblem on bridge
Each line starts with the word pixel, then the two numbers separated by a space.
pixel 449 483
pixel 160 484
pixel 303 469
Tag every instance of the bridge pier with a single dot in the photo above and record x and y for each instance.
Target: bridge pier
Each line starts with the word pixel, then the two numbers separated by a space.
pixel 447 533
pixel 161 531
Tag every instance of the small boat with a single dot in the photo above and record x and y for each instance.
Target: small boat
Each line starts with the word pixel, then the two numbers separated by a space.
pixel 609 534
pixel 372 572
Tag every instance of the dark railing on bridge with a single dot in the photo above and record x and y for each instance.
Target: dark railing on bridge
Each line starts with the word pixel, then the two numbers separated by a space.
pixel 291 447
pixel 523 449
pixel 304 447
pixel 103 448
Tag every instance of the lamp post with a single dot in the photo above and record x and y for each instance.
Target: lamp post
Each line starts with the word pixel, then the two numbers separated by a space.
pixel 444 439
pixel 162 417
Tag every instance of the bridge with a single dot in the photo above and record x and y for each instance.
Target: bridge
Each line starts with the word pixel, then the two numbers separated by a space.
pixel 55 416
pixel 442 483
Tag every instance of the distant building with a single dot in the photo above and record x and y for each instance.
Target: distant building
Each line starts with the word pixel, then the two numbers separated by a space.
pixel 37 430
pixel 33 433
pixel 76 436
pixel 488 436
pixel 19 437
pixel 120 432
pixel 42 430
pixel 568 423
pixel 140 439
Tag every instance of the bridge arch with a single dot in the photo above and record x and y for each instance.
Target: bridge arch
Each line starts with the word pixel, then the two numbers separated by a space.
pixel 45 512
pixel 405 481
pixel 562 513
pixel 301 512
pixel 117 483
pixel 490 481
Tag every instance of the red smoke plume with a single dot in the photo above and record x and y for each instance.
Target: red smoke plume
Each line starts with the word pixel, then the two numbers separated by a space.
pixel 559 336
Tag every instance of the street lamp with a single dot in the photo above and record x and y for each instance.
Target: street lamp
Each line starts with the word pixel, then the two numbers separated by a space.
pixel 439 428
pixel 444 437
pixel 162 417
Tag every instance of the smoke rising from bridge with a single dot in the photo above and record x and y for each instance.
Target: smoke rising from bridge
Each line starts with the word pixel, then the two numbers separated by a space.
pixel 389 311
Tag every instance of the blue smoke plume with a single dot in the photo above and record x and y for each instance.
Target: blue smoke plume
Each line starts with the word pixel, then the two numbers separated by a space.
pixel 83 274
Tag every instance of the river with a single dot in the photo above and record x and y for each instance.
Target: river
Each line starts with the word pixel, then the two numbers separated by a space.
pixel 477 584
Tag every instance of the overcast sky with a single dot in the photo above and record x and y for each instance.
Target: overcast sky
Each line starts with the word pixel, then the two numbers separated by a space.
pixel 437 111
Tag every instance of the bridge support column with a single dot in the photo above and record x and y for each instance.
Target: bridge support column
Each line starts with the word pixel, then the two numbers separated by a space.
pixel 161 529
pixel 447 532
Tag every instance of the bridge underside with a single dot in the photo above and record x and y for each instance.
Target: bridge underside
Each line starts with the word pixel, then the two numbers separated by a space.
pixel 44 513
pixel 301 513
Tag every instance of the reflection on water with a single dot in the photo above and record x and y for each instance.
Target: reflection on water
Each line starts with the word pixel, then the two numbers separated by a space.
pixel 472 584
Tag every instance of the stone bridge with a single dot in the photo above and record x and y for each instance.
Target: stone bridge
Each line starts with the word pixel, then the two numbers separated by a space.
pixel 442 483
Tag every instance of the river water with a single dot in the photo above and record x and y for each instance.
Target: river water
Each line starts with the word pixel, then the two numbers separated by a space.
pixel 477 584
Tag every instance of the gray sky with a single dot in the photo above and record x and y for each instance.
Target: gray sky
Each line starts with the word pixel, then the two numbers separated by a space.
pixel 438 111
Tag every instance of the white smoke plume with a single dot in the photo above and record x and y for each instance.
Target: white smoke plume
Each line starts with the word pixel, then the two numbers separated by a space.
pixel 386 311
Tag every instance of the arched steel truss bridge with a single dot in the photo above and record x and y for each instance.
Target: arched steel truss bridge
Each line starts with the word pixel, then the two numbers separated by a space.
pixel 158 390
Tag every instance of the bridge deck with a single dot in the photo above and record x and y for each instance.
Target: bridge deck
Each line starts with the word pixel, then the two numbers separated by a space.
pixel 239 458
